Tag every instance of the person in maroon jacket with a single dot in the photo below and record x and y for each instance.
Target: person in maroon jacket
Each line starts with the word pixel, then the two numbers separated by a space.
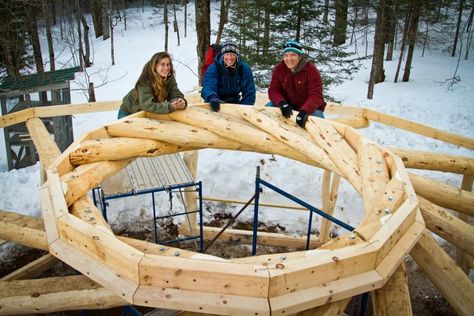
pixel 296 85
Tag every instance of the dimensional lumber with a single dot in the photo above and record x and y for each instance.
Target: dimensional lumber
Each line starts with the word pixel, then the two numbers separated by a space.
pixel 32 269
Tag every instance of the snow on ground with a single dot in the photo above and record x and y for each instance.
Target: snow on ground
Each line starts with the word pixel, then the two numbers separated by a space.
pixel 231 175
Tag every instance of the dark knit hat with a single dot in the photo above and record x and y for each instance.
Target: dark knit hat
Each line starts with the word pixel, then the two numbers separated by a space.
pixel 293 46
pixel 229 47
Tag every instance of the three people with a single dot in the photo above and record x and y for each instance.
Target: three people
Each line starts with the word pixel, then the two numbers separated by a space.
pixel 156 89
pixel 296 85
pixel 228 80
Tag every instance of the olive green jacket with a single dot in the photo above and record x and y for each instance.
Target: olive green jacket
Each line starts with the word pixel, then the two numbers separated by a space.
pixel 141 99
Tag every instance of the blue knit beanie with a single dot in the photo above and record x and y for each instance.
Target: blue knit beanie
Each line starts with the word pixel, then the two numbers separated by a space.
pixel 292 46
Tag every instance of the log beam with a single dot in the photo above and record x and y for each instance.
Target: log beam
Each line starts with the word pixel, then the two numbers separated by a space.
pixel 450 280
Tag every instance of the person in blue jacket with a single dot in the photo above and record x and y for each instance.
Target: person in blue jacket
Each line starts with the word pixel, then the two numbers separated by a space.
pixel 228 80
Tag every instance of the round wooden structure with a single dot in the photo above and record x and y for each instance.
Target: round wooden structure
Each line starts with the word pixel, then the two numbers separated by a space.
pixel 360 261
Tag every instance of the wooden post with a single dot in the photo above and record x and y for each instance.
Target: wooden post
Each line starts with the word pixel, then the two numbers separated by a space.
pixel 329 195
pixel 463 259
pixel 190 198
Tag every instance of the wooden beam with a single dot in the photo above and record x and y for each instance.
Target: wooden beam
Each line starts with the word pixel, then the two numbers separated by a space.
pixel 463 257
pixel 22 230
pixel 454 285
pixel 443 194
pixel 54 294
pixel 447 226
pixel 190 198
pixel 420 129
pixel 32 269
pixel 330 188
pixel 16 117
pixel 435 161
pixel 47 149
pixel 394 297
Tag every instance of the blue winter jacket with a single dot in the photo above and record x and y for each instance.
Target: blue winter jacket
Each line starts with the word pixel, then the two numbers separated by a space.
pixel 231 85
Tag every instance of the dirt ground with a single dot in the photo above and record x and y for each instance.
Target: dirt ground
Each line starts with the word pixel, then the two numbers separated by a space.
pixel 425 298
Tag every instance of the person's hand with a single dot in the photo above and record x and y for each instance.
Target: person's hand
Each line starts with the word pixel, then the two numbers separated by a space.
pixel 285 108
pixel 215 105
pixel 301 118
pixel 178 104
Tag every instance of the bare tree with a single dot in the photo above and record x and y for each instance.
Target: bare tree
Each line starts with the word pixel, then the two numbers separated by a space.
pixel 223 19
pixel 390 27
pixel 412 32
pixel 175 22
pixel 32 26
pixel 185 3
pixel 404 40
pixel 105 19
pixel 326 11
pixel 48 21
pixel 377 72
pixel 165 21
pixel 97 17
pixel 203 30
pixel 458 26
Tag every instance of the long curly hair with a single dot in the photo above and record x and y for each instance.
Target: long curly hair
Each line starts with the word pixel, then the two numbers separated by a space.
pixel 151 77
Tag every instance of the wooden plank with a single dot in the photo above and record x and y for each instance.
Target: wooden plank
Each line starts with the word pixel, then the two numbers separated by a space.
pixel 56 294
pixel 394 297
pixel 78 108
pixel 96 270
pixel 443 194
pixel 296 275
pixel 325 293
pixel 85 210
pixel 32 269
pixel 330 309
pixel 454 285
pixel 420 129
pixel 16 117
pixel 219 277
pixel 200 302
pixel 190 158
pixel 100 246
pixel 47 149
pixel 435 161
pixel 355 122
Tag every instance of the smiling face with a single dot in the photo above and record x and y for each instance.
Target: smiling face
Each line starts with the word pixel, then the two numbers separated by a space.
pixel 230 59
pixel 163 67
pixel 291 60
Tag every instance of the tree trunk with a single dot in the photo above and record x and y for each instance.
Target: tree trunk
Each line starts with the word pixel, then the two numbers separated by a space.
pixel 391 24
pixel 266 27
pixel 298 21
pixel 377 72
pixel 165 21
pixel 326 11
pixel 413 30
pixel 112 49
pixel 203 30
pixel 97 17
pixel 223 19
pixel 77 9
pixel 185 18
pixel 105 19
pixel 175 22
pixel 458 26
pixel 47 17
pixel 404 40
pixel 31 11
pixel 87 46
pixel 340 24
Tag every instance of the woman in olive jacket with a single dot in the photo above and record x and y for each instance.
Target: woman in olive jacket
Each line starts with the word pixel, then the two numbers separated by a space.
pixel 156 89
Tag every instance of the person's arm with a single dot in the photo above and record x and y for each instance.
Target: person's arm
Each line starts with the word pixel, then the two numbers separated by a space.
pixel 315 99
pixel 174 94
pixel 275 90
pixel 145 98
pixel 209 84
pixel 248 86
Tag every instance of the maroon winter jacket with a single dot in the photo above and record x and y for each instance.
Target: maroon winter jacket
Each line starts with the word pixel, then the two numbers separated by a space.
pixel 303 89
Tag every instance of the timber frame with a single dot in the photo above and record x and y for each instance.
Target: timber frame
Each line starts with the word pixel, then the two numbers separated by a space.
pixel 364 260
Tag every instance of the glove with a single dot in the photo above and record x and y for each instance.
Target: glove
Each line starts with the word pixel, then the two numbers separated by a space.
pixel 285 108
pixel 215 105
pixel 301 118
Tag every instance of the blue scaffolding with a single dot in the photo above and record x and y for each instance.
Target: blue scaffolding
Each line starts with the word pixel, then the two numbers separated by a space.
pixel 150 175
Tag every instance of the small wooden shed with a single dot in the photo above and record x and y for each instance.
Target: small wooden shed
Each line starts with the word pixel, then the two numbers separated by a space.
pixel 41 89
